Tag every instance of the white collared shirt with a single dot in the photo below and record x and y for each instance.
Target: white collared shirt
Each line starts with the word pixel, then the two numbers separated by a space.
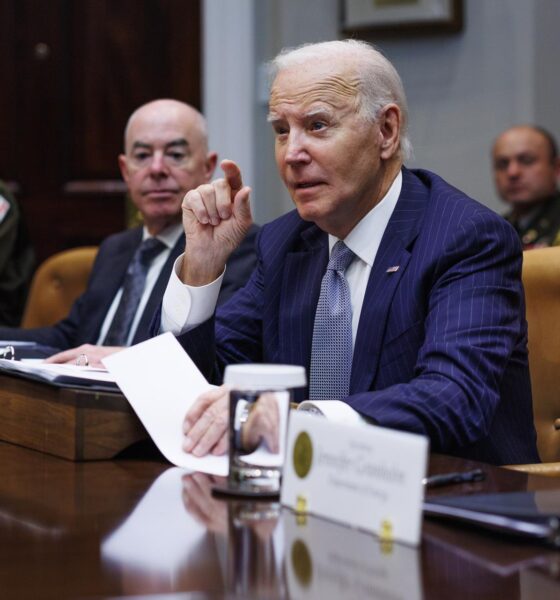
pixel 169 237
pixel 364 242
pixel 185 307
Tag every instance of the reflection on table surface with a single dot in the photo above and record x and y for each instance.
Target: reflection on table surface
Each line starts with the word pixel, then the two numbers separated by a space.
pixel 135 526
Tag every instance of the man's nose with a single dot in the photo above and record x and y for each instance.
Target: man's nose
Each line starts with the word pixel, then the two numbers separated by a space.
pixel 513 169
pixel 158 165
pixel 296 150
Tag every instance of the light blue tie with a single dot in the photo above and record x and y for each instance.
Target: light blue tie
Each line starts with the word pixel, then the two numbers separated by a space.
pixel 133 288
pixel 331 351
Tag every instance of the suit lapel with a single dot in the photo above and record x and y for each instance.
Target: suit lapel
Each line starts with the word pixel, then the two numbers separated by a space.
pixel 394 251
pixel 301 283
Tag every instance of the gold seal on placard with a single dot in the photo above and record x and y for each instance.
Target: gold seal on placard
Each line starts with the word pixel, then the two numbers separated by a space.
pixel 386 537
pixel 303 454
pixel 302 563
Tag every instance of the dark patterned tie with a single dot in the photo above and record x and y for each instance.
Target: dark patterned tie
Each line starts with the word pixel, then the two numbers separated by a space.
pixel 331 351
pixel 133 287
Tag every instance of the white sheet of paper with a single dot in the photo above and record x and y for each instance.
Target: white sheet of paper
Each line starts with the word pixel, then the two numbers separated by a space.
pixel 161 382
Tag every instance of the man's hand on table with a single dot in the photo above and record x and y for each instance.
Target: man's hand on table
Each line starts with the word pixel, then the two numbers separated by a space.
pixel 93 354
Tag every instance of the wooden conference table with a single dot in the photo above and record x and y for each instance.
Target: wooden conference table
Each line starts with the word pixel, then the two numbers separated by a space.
pixel 133 526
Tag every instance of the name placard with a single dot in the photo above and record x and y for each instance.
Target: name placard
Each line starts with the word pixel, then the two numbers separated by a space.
pixel 366 477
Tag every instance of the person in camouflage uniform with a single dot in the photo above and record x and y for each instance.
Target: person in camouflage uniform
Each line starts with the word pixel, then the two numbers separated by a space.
pixel 526 169
pixel 17 260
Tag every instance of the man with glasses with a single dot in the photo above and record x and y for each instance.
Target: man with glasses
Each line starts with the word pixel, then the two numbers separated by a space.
pixel 166 155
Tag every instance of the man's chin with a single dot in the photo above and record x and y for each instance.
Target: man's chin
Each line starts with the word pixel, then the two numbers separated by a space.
pixel 161 220
pixel 524 203
pixel 523 207
pixel 308 215
pixel 163 207
pixel 309 209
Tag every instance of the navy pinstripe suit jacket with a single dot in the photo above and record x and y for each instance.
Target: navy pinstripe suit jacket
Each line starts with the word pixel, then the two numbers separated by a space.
pixel 441 343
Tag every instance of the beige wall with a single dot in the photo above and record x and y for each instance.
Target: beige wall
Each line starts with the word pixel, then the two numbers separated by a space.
pixel 463 89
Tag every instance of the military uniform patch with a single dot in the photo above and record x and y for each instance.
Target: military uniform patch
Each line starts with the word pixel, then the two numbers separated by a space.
pixel 4 208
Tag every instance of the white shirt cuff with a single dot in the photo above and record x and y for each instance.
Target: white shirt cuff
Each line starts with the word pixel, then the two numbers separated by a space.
pixel 184 306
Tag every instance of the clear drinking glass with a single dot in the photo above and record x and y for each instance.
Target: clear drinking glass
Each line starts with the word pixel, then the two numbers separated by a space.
pixel 260 399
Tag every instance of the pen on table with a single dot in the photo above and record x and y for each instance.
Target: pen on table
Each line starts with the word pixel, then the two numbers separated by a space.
pixel 451 478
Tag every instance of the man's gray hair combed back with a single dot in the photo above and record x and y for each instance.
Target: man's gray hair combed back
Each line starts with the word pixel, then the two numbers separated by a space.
pixel 380 84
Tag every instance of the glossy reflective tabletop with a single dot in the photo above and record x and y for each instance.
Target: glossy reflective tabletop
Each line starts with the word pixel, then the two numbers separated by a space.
pixel 136 527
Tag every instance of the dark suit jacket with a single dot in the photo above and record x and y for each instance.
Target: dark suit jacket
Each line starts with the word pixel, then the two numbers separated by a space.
pixel 441 343
pixel 86 317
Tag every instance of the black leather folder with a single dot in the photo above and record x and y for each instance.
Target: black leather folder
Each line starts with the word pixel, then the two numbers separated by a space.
pixel 531 515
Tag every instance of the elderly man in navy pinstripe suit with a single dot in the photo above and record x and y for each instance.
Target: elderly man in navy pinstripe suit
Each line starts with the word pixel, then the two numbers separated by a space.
pixel 438 329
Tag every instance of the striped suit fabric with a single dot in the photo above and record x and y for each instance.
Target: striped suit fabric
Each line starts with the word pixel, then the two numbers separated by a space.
pixel 441 344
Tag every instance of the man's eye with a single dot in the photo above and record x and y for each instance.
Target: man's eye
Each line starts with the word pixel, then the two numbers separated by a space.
pixel 141 156
pixel 317 125
pixel 526 160
pixel 501 165
pixel 176 156
pixel 280 130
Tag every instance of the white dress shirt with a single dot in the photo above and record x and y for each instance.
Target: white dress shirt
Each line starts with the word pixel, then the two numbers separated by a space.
pixel 169 237
pixel 185 307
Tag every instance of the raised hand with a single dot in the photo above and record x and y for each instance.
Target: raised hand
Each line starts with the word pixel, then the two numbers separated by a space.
pixel 216 218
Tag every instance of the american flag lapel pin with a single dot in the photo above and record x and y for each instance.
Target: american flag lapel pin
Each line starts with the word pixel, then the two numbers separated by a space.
pixel 392 269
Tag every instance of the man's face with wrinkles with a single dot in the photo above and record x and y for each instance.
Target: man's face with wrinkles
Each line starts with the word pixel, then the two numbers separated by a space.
pixel 327 153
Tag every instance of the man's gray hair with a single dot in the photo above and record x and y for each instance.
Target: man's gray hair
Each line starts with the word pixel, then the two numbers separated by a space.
pixel 379 82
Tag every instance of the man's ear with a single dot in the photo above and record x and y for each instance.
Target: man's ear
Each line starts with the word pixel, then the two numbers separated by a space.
pixel 123 166
pixel 390 128
pixel 210 164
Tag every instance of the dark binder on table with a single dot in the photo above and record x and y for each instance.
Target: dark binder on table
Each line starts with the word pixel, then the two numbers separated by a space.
pixel 24 349
pixel 531 515
pixel 61 375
